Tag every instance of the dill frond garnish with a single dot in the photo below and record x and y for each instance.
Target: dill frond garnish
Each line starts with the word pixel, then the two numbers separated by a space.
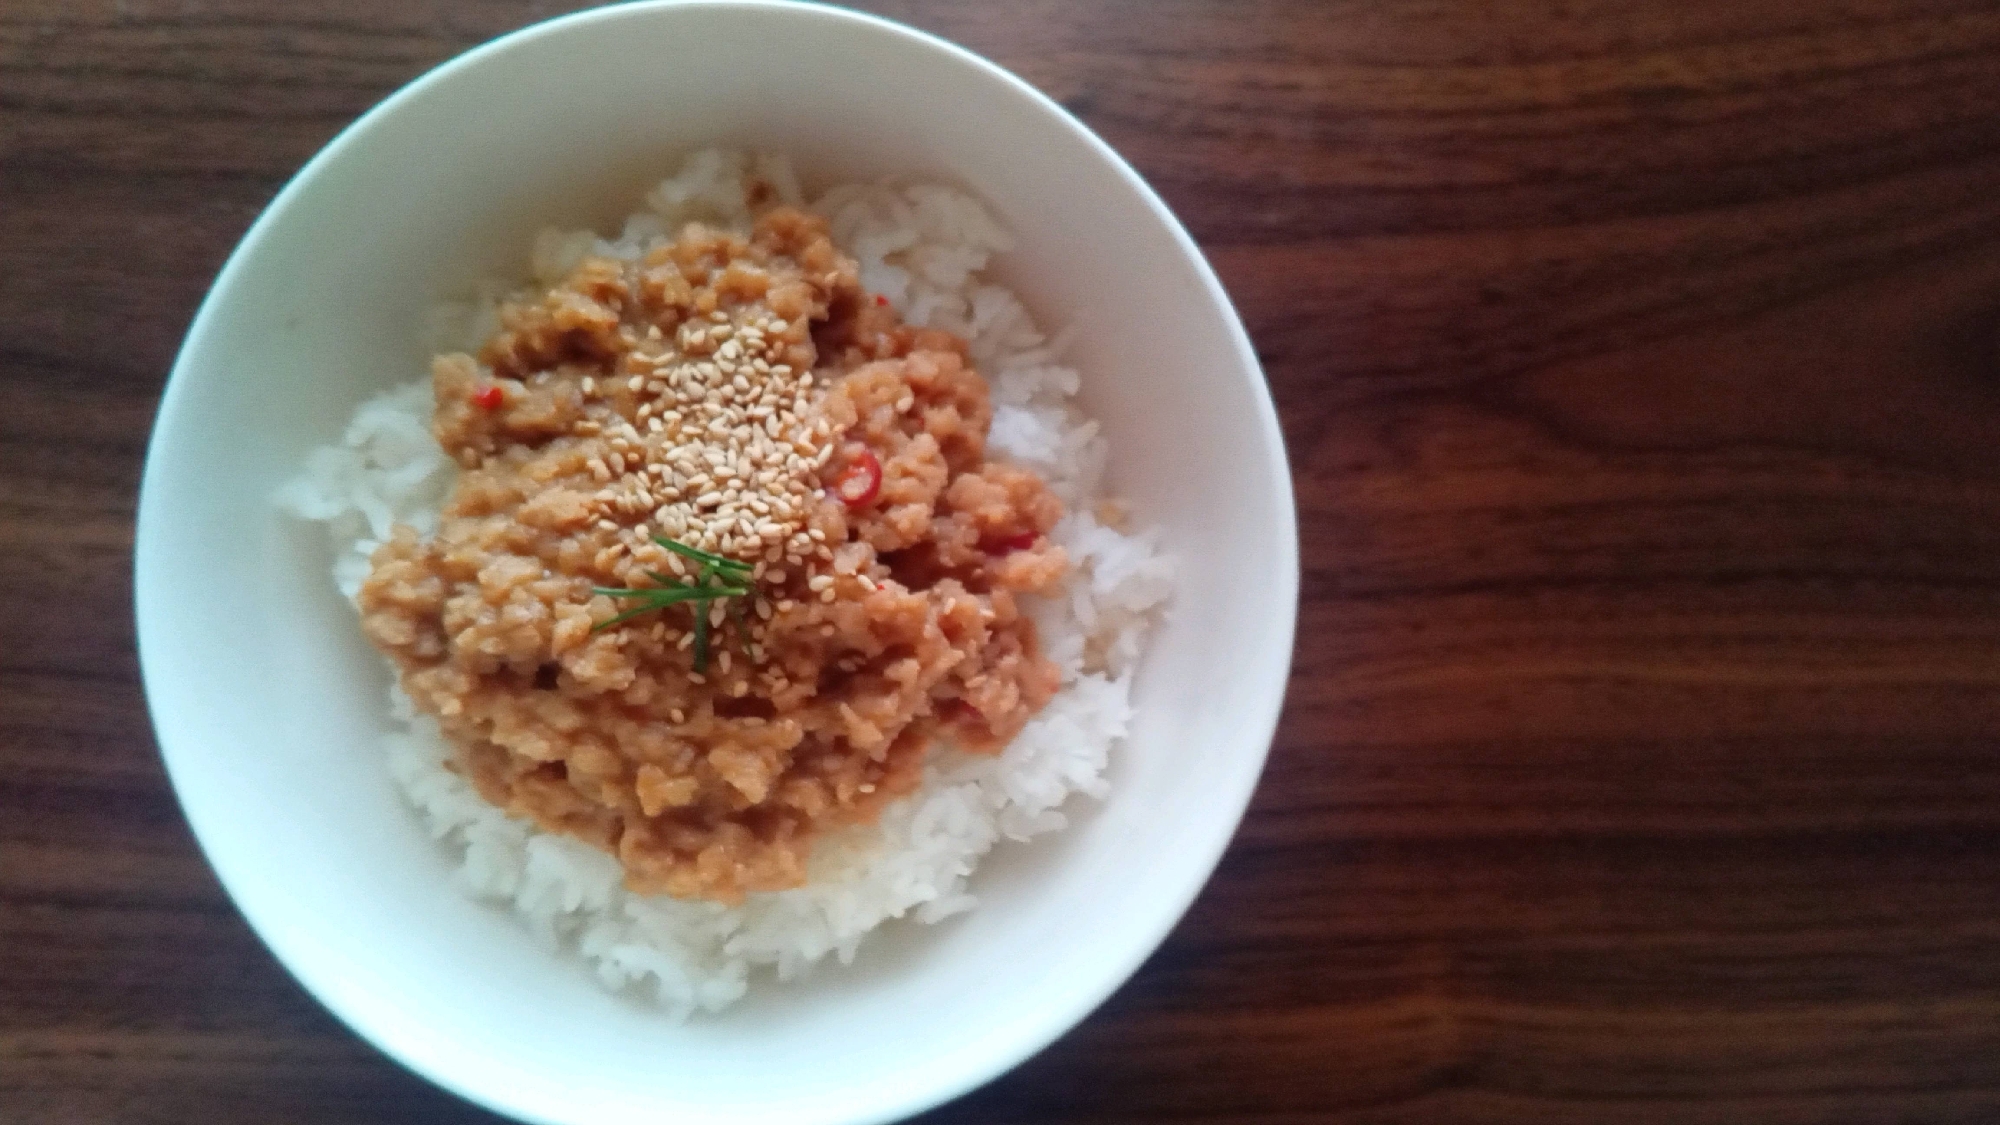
pixel 718 579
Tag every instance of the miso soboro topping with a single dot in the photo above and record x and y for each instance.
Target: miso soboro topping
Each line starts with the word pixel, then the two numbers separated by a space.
pixel 743 398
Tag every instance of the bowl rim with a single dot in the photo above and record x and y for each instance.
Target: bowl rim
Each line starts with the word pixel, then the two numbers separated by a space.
pixel 1262 713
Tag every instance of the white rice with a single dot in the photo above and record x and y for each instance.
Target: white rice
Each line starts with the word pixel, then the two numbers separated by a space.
pixel 925 247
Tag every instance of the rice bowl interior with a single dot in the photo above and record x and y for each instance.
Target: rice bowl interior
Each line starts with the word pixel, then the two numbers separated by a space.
pixel 924 249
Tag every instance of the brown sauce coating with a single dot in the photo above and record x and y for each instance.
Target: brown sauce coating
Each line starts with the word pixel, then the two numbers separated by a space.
pixel 710 393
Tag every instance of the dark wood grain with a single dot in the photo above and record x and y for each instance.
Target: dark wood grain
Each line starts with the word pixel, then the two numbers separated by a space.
pixel 1641 368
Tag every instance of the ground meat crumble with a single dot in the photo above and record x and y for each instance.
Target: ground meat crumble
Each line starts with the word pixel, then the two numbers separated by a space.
pixel 710 393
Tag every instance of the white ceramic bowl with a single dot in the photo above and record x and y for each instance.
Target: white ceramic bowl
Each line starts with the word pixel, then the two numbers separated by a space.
pixel 268 702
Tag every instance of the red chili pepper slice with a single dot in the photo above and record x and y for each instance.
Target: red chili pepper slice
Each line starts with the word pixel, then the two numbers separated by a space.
pixel 488 397
pixel 881 300
pixel 861 481
pixel 958 711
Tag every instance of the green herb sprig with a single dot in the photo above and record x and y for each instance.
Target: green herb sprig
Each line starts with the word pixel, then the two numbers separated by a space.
pixel 718 579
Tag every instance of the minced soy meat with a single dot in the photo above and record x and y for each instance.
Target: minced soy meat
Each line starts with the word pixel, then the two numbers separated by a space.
pixel 741 396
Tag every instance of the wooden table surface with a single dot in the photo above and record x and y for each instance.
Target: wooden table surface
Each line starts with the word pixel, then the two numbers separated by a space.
pixel 1641 367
